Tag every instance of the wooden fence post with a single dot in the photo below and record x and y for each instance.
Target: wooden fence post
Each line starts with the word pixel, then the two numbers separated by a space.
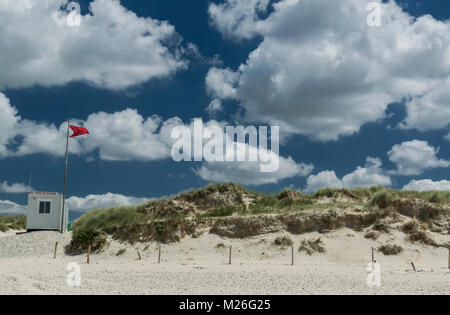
pixel 373 255
pixel 56 248
pixel 229 258
pixel 414 267
pixel 159 254
pixel 139 255
pixel 89 254
pixel 292 261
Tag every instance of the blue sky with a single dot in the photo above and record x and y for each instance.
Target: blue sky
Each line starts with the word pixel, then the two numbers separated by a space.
pixel 371 110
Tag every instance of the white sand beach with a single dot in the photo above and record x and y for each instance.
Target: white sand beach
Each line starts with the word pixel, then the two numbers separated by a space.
pixel 197 266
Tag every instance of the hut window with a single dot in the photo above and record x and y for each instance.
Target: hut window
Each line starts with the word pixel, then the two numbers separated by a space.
pixel 44 207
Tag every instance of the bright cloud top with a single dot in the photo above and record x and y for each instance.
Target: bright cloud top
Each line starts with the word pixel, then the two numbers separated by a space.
pixel 369 175
pixel 113 48
pixel 414 157
pixel 83 204
pixel 14 188
pixel 11 208
pixel 249 173
pixel 321 71
pixel 428 185
pixel 237 19
pixel 447 137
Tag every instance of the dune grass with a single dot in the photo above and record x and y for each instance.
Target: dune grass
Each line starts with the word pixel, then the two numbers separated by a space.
pixel 283 241
pixel 390 249
pixel 382 198
pixel 312 246
pixel 168 223
pixel 222 212
pixel 18 222
pixel 380 193
pixel 130 224
pixel 92 228
pixel 196 194
pixel 417 232
pixel 110 218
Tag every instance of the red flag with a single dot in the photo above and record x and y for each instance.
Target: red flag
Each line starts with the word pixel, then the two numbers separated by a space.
pixel 78 131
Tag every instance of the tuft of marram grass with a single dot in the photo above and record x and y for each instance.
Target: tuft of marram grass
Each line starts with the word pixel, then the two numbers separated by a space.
pixel 13 222
pixel 373 235
pixel 390 249
pixel 283 241
pixel 382 199
pixel 381 226
pixel 120 252
pixel 417 232
pixel 433 196
pixel 312 246
pixel 276 203
pixel 222 212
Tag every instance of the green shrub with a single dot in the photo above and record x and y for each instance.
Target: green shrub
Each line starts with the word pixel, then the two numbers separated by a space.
pixel 82 239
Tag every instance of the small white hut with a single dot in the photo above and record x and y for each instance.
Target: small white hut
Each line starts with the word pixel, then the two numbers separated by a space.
pixel 45 211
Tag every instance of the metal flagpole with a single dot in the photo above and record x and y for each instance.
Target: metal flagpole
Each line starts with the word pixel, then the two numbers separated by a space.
pixel 65 179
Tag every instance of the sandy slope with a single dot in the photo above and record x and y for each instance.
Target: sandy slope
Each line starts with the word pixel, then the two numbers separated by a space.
pixel 196 266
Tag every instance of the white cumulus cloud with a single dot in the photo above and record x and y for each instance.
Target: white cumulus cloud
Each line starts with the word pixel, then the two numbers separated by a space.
pixel 322 180
pixel 447 137
pixel 13 188
pixel 369 175
pixel 249 173
pixel 11 208
pixel 89 202
pixel 427 185
pixel 113 48
pixel 214 107
pixel 237 19
pixel 414 157
pixel 119 136
pixel 125 136
pixel 8 123
pixel 221 83
pixel 322 72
